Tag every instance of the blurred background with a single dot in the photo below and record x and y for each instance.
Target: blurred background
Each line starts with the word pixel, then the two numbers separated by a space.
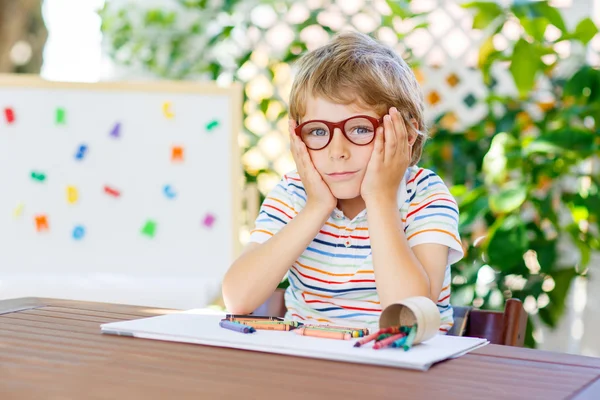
pixel 513 107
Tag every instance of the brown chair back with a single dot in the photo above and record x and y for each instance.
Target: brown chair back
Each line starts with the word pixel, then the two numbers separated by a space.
pixel 505 328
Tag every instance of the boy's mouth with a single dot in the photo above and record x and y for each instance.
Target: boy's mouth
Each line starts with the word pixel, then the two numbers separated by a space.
pixel 342 175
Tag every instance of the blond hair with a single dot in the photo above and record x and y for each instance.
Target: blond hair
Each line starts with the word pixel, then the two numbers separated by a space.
pixel 355 68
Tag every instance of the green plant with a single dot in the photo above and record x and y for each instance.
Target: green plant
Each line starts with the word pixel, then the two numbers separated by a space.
pixel 526 175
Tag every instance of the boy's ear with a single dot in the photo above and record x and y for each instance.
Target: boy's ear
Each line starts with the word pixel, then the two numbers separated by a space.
pixel 414 132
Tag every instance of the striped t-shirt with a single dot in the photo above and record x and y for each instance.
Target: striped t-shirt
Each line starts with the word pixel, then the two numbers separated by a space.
pixel 333 280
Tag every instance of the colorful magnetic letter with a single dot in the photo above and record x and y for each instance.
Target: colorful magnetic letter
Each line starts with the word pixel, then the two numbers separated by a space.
pixel 167 110
pixel 81 151
pixel 9 114
pixel 38 176
pixel 41 223
pixel 212 125
pixel 72 194
pixel 111 191
pixel 177 153
pixel 169 191
pixel 18 211
pixel 209 220
pixel 78 232
pixel 149 228
pixel 61 117
pixel 116 130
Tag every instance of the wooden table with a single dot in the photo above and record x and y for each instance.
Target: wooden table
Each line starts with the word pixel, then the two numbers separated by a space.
pixel 53 349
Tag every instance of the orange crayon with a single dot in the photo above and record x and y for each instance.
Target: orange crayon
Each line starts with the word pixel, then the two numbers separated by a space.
pixel 267 327
pixel 322 333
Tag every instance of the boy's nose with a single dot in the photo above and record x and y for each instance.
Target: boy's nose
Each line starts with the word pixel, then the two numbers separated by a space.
pixel 339 146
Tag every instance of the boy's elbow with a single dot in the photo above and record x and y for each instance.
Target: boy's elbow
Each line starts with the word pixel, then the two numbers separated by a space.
pixel 235 305
pixel 234 301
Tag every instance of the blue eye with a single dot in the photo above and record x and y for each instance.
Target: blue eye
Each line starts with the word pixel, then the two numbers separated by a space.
pixel 318 132
pixel 361 130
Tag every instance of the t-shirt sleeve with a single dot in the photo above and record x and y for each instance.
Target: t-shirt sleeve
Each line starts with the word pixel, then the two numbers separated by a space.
pixel 275 212
pixel 432 216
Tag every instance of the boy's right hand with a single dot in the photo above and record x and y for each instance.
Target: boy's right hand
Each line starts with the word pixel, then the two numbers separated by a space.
pixel 318 193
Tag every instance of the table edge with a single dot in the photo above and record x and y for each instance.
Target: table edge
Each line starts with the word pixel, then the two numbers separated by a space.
pixel 8 306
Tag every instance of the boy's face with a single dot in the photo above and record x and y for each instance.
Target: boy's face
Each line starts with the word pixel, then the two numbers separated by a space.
pixel 342 164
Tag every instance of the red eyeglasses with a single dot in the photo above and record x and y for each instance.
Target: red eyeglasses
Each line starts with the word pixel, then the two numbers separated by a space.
pixel 317 134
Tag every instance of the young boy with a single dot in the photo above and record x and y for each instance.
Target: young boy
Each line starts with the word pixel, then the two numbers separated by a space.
pixel 359 226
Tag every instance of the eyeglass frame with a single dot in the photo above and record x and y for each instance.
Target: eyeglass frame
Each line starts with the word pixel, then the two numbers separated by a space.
pixel 340 125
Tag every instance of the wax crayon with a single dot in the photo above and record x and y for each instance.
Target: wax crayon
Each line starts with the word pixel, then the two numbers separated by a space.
pixel 355 332
pixel 329 329
pixel 234 326
pixel 269 326
pixel 321 333
pixel 409 339
pixel 388 341
pixel 294 324
pixel 399 342
pixel 375 335
pixel 365 331
pixel 231 317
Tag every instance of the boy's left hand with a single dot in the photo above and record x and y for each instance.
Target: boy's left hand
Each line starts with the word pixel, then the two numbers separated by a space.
pixel 389 160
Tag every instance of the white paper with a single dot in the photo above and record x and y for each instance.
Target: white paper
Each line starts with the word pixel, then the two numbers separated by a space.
pixel 205 330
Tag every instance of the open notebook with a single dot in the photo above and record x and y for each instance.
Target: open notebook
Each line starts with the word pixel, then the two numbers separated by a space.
pixel 190 327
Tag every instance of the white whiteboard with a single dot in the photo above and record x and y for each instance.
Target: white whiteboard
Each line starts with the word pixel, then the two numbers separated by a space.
pixel 136 160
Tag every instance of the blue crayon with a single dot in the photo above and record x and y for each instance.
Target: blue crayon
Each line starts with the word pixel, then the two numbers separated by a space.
pixel 400 342
pixel 235 326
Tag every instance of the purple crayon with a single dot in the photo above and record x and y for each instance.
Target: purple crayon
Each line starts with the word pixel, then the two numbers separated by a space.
pixel 235 326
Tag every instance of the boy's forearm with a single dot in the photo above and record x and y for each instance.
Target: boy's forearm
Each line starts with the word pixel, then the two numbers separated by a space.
pixel 255 275
pixel 398 272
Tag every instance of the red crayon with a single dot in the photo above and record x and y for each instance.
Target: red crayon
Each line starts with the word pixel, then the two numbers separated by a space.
pixel 111 191
pixel 374 336
pixel 388 341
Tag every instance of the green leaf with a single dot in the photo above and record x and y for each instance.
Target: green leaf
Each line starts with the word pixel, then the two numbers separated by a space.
pixel 536 27
pixel 570 139
pixel 283 284
pixel 487 12
pixel 508 199
pixel 468 215
pixel 524 66
pixel 554 310
pixel 584 85
pixel 485 59
pixel 585 30
pixel 506 245
pixel 496 160
pixel 264 105
pixel 400 8
pixel 552 14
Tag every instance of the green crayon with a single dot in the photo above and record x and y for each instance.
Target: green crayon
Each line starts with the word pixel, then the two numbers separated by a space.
pixel 409 339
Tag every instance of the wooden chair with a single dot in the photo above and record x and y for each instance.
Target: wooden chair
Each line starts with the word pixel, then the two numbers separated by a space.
pixel 505 328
